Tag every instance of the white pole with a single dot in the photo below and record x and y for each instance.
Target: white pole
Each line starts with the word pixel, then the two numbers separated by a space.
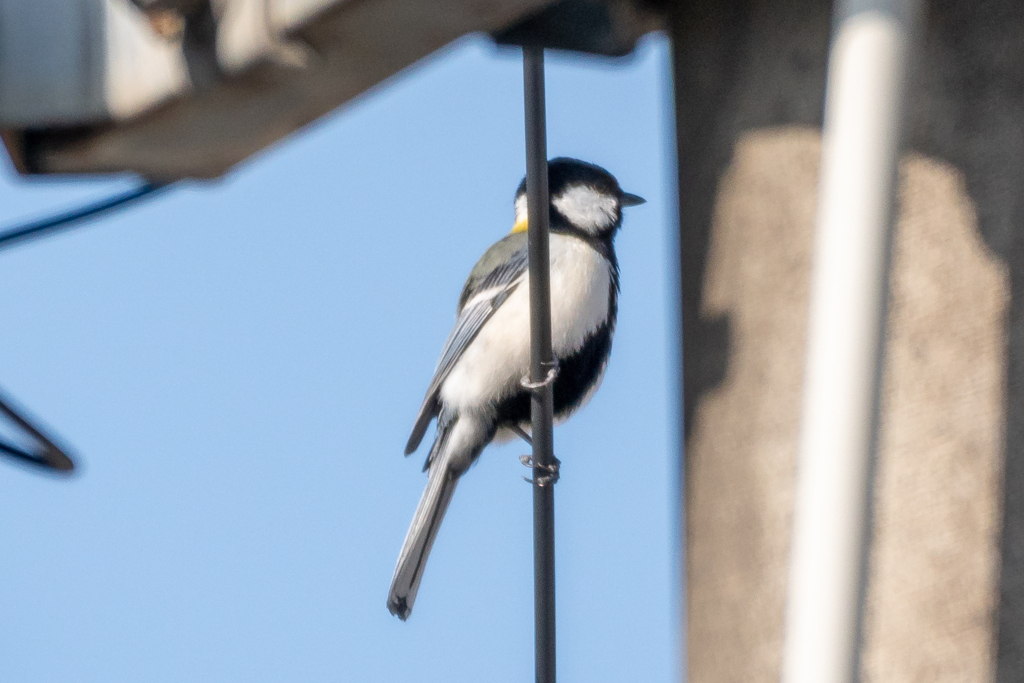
pixel 856 195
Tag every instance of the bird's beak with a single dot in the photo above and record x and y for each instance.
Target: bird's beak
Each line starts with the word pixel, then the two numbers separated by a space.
pixel 629 199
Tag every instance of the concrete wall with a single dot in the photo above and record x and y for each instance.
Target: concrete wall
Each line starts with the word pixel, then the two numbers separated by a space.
pixel 945 598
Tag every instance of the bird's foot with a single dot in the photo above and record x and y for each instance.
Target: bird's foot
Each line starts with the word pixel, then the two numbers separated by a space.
pixel 521 433
pixel 546 382
pixel 549 472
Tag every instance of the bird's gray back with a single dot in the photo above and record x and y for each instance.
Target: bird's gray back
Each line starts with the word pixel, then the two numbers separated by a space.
pixel 502 254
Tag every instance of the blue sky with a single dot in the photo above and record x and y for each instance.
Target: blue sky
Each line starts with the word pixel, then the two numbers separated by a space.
pixel 238 364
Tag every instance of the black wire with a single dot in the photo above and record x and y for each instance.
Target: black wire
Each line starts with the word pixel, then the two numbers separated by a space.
pixel 45 226
pixel 49 455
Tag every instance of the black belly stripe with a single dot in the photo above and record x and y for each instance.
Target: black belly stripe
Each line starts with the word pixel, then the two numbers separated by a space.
pixel 577 374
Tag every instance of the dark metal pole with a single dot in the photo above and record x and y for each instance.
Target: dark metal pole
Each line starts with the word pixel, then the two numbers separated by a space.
pixel 541 364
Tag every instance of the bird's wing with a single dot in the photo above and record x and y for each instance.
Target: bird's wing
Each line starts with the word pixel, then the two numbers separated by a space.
pixel 483 294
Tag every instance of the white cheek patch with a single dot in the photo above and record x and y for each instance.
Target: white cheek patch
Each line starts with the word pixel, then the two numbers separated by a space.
pixel 521 209
pixel 587 208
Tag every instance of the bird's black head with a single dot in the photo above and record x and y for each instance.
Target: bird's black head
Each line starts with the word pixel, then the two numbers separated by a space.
pixel 584 196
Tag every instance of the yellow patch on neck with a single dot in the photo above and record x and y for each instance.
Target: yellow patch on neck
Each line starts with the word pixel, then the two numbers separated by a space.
pixel 520 226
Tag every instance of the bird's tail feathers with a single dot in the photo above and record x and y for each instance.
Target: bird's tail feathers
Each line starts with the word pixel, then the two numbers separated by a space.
pixel 425 523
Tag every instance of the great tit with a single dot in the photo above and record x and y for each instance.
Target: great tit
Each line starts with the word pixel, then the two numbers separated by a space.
pixel 477 393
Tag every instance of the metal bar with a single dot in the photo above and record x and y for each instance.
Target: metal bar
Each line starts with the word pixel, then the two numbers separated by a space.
pixel 839 422
pixel 542 404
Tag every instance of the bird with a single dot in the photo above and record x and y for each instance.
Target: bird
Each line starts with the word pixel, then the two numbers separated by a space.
pixel 477 393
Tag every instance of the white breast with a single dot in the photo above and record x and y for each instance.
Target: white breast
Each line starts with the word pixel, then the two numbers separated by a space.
pixel 500 355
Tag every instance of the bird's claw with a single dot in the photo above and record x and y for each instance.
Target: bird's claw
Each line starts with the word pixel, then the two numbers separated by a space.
pixel 550 472
pixel 546 382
